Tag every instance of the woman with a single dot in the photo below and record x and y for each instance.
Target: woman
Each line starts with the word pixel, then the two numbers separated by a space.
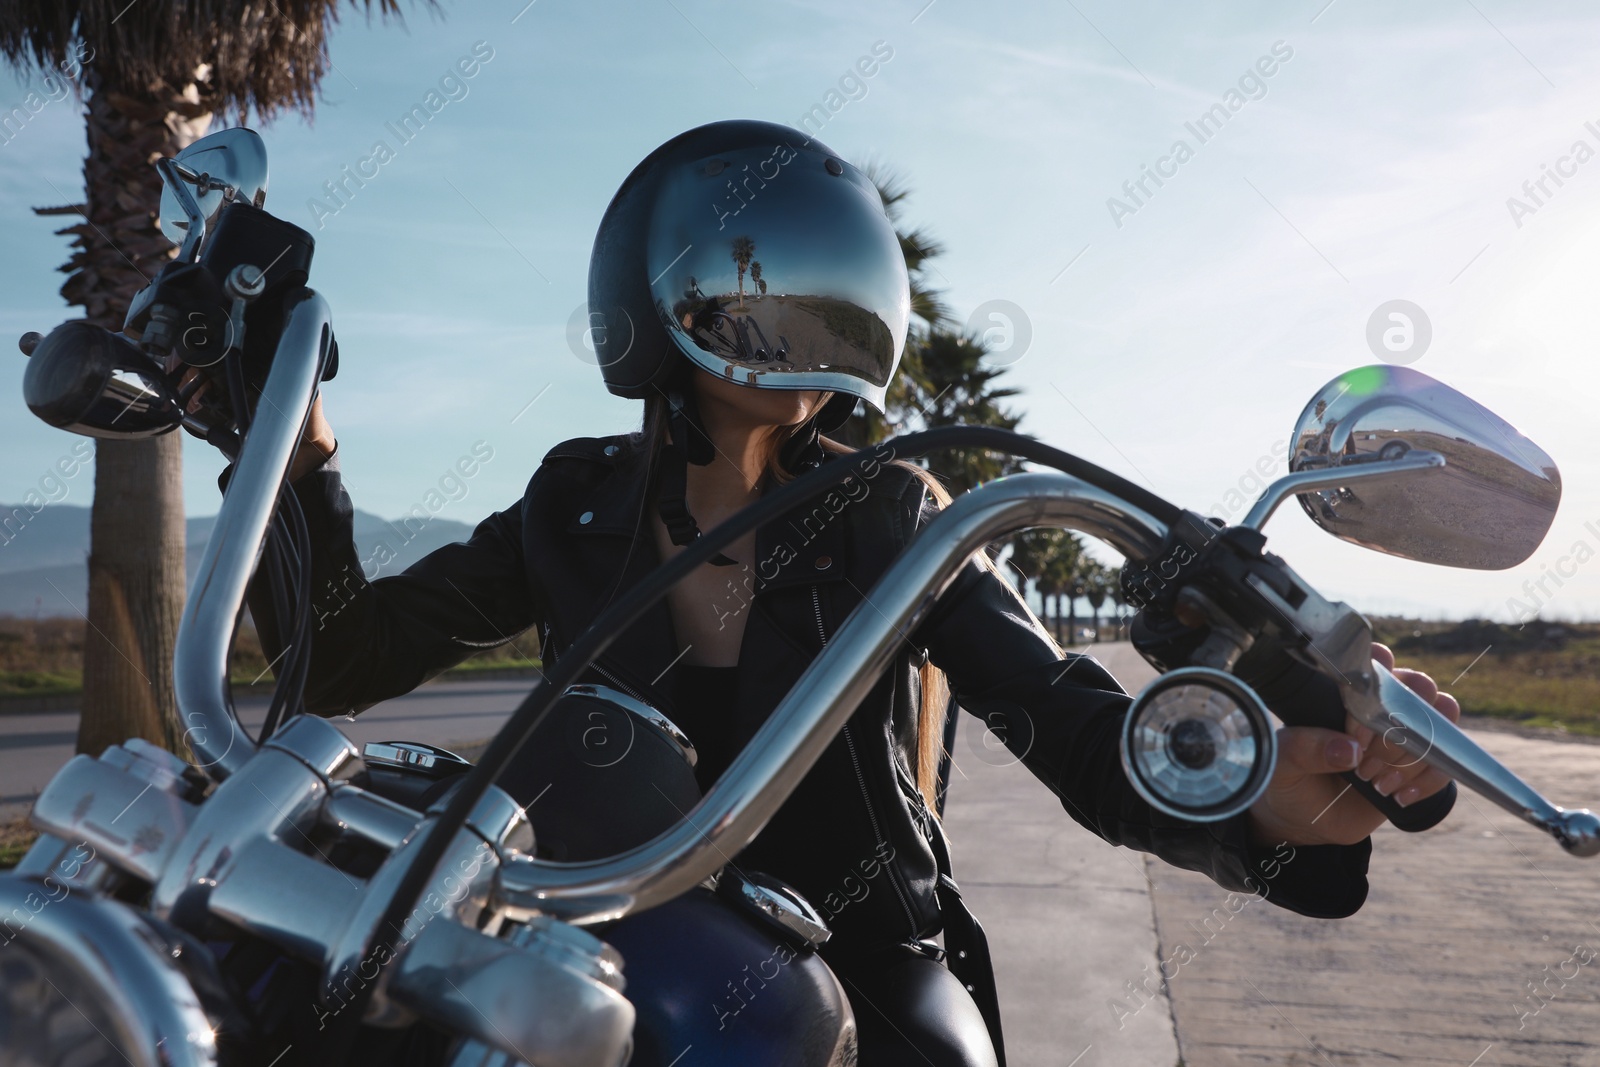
pixel 740 383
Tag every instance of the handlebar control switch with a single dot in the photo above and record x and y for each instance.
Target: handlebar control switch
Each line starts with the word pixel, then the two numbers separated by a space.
pixel 132 806
pixel 1198 744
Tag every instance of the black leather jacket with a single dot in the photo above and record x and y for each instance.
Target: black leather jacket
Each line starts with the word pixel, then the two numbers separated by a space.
pixel 556 558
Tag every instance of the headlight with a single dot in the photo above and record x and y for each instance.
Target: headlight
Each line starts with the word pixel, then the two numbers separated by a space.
pixel 87 980
pixel 1198 744
pixel 91 381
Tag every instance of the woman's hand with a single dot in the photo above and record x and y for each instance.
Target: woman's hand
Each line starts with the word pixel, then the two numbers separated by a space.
pixel 1307 803
pixel 316 444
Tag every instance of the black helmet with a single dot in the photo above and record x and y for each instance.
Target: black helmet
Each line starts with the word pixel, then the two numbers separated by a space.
pixel 758 253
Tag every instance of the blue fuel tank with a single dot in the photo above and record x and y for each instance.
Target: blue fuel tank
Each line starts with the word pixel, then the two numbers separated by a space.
pixel 717 986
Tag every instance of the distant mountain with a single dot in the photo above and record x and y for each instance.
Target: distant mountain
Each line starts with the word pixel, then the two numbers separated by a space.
pixel 43 556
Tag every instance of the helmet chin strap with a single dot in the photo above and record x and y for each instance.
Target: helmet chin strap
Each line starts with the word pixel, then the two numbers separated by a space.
pixel 689 445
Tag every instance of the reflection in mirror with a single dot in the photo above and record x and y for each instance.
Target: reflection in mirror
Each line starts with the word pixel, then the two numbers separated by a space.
pixel 235 161
pixel 1487 509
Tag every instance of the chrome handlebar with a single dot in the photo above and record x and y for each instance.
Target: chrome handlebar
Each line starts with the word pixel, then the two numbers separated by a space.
pixel 1340 644
pixel 303 774
pixel 786 746
pixel 1438 742
pixel 792 739
pixel 200 666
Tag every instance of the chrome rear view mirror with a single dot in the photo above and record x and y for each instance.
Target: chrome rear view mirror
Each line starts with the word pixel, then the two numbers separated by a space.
pixel 212 172
pixel 1488 508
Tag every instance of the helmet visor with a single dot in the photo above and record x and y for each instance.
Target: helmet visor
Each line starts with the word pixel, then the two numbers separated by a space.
pixel 779 269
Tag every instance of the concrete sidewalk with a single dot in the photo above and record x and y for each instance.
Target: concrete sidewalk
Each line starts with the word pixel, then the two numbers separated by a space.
pixel 1479 943
pixel 1435 969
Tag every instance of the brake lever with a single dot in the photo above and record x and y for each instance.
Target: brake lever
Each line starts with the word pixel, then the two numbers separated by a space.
pixel 1301 695
pixel 1294 690
pixel 1338 642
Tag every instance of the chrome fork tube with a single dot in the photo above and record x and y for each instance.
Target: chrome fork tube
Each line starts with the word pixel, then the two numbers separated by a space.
pixel 200 665
pixel 761 778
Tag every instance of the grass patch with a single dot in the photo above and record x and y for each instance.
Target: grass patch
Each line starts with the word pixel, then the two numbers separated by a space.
pixel 16 837
pixel 472 666
pixel 39 683
pixel 44 657
pixel 1542 674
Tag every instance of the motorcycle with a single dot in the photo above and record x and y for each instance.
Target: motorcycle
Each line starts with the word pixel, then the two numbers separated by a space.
pixel 294 898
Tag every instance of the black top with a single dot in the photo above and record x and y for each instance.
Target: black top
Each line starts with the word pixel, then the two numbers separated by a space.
pixel 702 707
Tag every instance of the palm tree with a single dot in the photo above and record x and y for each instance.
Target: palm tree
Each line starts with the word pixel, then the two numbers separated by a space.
pixel 1047 584
pixel 928 310
pixel 158 72
pixel 943 380
pixel 1060 577
pixel 743 249
pixel 1096 587
pixel 1118 597
pixel 950 385
pixel 1072 568
pixel 1029 550
pixel 755 277
pixel 917 246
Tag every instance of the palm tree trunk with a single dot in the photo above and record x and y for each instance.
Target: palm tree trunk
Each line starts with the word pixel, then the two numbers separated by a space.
pixel 136 574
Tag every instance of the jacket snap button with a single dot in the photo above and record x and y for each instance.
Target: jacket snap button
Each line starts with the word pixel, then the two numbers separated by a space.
pixel 612 450
pixel 585 518
pixel 824 562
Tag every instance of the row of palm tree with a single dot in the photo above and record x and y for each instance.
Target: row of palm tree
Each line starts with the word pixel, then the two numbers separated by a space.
pixel 1053 562
pixel 944 380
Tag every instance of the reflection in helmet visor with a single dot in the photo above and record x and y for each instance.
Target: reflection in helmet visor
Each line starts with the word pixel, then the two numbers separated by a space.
pixel 772 270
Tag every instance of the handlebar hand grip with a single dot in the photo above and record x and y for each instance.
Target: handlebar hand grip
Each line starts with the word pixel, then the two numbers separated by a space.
pixel 1302 696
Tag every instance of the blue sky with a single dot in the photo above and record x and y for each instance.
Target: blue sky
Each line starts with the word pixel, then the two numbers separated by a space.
pixel 1174 339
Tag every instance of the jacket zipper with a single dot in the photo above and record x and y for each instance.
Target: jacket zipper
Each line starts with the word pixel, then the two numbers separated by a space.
pixel 598 668
pixel 861 781
pixel 618 682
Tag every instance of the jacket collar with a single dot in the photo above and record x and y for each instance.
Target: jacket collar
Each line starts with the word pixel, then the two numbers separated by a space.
pixel 808 544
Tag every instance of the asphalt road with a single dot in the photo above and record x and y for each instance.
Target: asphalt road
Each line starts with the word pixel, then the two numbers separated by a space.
pixel 1062 908
pixel 34 746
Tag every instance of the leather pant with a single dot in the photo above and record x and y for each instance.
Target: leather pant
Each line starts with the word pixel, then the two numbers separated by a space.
pixel 912 1011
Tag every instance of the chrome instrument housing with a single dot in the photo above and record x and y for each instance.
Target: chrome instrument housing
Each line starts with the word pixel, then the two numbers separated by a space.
pixel 115 964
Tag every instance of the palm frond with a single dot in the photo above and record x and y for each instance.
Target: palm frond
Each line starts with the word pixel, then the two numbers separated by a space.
pixel 245 57
pixel 892 186
pixel 918 245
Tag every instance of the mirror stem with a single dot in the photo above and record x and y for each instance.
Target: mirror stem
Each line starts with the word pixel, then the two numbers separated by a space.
pixel 1337 478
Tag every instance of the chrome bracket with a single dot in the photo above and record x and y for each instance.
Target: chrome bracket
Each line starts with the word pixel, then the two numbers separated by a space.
pixel 1337 478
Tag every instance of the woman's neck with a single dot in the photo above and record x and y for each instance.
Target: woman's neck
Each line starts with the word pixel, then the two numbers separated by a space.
pixel 733 477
